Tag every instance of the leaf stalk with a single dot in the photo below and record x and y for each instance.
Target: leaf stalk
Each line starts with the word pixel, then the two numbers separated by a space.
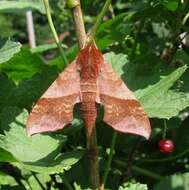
pixel 108 165
pixel 53 30
pixel 99 20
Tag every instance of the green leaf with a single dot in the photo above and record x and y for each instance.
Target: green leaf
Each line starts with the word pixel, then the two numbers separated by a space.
pixel 5 156
pixel 21 5
pixel 160 30
pixel 181 138
pixel 7 49
pixel 161 103
pixel 45 47
pixel 166 105
pixel 174 182
pixel 28 91
pixel 171 5
pixel 133 186
pixel 117 61
pixel 44 179
pixel 23 65
pixel 22 147
pixel 113 30
pixel 62 162
pixel 7 180
pixel 6 86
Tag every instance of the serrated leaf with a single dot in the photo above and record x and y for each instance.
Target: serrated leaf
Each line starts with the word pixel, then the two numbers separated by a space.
pixel 173 182
pixel 133 186
pixel 113 30
pixel 7 180
pixel 22 66
pixel 161 103
pixel 6 86
pixel 45 47
pixel 7 49
pixel 168 105
pixel 5 156
pixel 117 61
pixel 22 5
pixel 44 179
pixel 28 91
pixel 171 5
pixel 62 162
pixel 22 147
pixel 162 86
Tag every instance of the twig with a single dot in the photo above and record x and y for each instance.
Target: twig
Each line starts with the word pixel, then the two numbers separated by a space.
pixel 99 20
pixel 111 9
pixel 27 182
pixel 165 129
pixel 38 181
pixel 78 21
pixel 66 182
pixel 93 159
pixel 127 171
pixel 140 170
pixel 138 32
pixel 30 28
pixel 91 138
pixel 53 30
pixel 147 173
pixel 166 159
pixel 112 147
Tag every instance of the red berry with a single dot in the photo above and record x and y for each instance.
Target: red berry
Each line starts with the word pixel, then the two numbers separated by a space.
pixel 166 146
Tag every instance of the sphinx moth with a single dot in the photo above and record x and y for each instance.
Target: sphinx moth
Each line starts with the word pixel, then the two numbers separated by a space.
pixel 88 81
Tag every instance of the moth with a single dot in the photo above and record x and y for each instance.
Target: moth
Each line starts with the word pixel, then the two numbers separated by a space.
pixel 88 81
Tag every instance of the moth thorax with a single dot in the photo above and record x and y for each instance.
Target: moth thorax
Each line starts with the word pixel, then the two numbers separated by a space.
pixel 89 60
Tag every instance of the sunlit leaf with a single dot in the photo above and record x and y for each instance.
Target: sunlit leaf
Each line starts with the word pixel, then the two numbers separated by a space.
pixel 133 186
pixel 22 66
pixel 22 147
pixel 21 5
pixel 160 102
pixel 174 182
pixel 7 180
pixel 7 49
pixel 62 162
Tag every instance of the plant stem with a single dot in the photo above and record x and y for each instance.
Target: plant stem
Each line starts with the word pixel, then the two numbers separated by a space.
pixel 140 27
pixel 92 146
pixel 99 19
pixel 140 170
pixel 147 173
pixel 78 22
pixel 164 129
pixel 93 159
pixel 53 30
pixel 66 182
pixel 127 172
pixel 30 29
pixel 166 159
pixel 38 181
pixel 108 165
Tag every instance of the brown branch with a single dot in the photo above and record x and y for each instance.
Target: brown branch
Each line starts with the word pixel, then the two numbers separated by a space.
pixel 93 160
pixel 79 24
pixel 131 156
pixel 92 146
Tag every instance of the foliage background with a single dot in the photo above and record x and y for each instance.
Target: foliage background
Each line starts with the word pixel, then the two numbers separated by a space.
pixel 143 42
